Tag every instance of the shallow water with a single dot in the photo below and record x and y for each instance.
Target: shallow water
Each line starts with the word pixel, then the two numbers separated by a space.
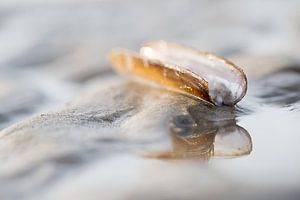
pixel 248 152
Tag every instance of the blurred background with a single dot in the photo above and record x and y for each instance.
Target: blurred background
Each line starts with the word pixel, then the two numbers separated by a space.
pixel 50 49
pixel 52 52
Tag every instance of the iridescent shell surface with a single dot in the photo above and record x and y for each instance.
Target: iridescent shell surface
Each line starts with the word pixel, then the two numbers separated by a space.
pixel 183 69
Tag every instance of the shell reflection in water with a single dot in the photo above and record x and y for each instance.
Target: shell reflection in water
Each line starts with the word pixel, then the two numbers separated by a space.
pixel 186 70
pixel 201 137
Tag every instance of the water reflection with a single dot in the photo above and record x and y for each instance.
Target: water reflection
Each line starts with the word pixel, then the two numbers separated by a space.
pixel 207 131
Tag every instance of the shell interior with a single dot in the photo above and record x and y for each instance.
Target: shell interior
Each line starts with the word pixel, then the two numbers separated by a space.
pixel 226 82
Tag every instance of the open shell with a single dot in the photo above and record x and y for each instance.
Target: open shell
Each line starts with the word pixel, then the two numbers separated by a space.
pixel 186 70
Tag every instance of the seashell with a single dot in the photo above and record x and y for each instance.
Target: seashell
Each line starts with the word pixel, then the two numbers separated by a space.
pixel 186 70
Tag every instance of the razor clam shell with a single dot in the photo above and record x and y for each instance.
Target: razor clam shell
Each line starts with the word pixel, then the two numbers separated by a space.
pixel 170 76
pixel 226 83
